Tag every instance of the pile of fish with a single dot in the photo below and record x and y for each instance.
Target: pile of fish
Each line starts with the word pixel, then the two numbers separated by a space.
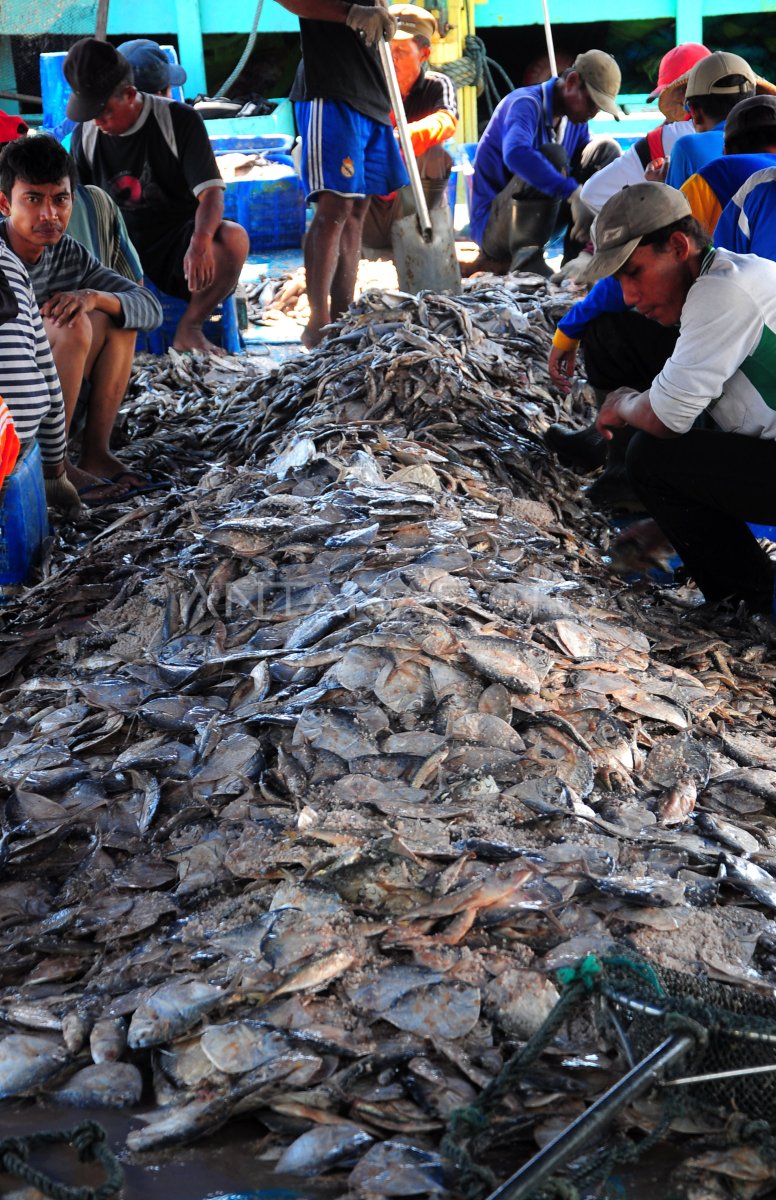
pixel 315 767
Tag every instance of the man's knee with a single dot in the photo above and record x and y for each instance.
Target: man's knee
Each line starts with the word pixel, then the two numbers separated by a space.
pixel 234 240
pixel 75 338
pixel 435 163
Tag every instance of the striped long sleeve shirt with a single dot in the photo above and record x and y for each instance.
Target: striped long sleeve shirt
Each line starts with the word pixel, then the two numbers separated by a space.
pixel 68 266
pixel 29 383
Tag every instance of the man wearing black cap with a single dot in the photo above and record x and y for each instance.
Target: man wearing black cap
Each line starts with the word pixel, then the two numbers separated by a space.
pixel 748 222
pixel 153 156
pixel 701 484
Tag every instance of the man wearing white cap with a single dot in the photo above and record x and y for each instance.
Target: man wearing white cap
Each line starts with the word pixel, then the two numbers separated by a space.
pixel 533 158
pixel 701 484
pixel 714 87
pixel 431 111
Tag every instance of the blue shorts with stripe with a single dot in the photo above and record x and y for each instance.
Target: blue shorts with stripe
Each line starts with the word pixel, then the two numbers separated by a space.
pixel 345 152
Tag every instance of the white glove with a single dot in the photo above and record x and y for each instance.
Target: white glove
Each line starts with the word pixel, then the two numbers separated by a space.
pixel 372 23
pixel 581 217
pixel 60 493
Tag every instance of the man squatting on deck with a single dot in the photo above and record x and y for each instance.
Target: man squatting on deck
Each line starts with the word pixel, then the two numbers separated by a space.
pixel 431 110
pixel 154 157
pixel 91 314
pixel 349 153
pixel 701 484
pixel 532 159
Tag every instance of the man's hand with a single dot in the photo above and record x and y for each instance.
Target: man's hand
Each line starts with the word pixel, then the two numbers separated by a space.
pixel 611 415
pixel 64 308
pixel 373 23
pixel 561 366
pixel 199 264
pixel 60 492
pixel 581 217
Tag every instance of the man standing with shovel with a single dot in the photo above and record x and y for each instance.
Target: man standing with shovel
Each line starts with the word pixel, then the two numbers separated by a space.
pixel 348 149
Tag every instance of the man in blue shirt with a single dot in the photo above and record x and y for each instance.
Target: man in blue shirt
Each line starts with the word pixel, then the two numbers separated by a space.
pixel 714 87
pixel 534 156
pixel 748 222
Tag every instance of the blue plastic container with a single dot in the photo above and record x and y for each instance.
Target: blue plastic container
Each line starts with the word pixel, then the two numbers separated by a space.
pixel 55 93
pixel 271 209
pixel 247 142
pixel 764 531
pixel 221 328
pixel 23 518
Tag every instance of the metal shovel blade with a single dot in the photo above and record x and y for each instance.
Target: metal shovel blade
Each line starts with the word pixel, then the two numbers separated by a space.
pixel 426 266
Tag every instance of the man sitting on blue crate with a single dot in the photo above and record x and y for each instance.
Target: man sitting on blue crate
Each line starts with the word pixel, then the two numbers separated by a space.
pixel 91 313
pixel 154 157
pixel 29 383
pixel 432 118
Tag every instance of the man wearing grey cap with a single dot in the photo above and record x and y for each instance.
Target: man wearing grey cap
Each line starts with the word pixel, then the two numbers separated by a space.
pixel 701 484
pixel 533 158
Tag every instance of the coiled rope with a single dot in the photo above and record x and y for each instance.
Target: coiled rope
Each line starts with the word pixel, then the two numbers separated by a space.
pixel 89 1141
pixel 476 69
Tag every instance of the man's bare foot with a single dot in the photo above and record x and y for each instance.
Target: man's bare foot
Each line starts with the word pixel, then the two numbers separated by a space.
pixel 191 337
pixel 482 263
pixel 105 465
pixel 311 337
pixel 95 487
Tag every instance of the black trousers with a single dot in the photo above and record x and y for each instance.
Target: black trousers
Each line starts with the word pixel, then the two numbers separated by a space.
pixel 702 488
pixel 624 349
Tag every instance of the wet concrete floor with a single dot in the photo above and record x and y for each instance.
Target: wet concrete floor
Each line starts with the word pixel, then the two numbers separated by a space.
pixel 226 1164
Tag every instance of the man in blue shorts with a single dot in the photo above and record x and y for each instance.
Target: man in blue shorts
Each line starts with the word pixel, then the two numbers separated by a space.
pixel 349 153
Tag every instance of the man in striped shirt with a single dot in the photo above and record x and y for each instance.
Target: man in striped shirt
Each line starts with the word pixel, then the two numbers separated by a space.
pixel 29 383
pixel 91 314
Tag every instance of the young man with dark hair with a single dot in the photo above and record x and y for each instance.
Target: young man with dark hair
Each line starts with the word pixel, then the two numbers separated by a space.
pixel 431 111
pixel 154 157
pixel 91 314
pixel 701 484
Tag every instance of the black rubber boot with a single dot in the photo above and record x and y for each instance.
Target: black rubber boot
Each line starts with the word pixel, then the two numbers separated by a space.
pixel 612 490
pixel 532 225
pixel 584 449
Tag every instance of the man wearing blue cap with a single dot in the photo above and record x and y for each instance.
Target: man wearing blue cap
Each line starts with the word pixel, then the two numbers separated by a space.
pixel 152 70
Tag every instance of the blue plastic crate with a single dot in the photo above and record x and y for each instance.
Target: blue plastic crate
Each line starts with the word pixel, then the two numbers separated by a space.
pixel 23 518
pixel 271 209
pixel 221 328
